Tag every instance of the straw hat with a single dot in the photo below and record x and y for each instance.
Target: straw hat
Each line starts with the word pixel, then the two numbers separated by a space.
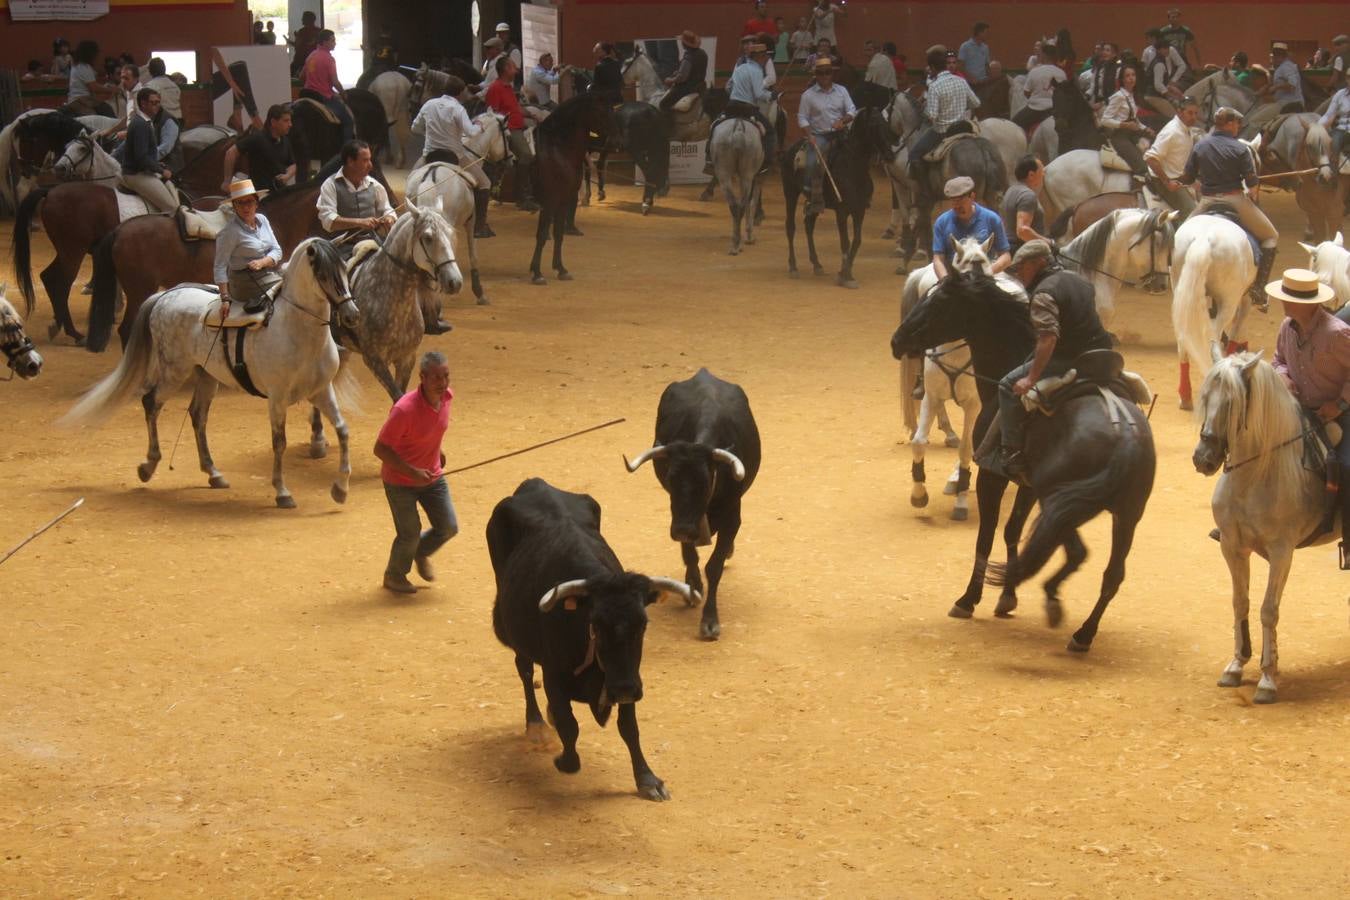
pixel 244 188
pixel 756 48
pixel 690 40
pixel 1299 286
pixel 1279 46
pixel 823 64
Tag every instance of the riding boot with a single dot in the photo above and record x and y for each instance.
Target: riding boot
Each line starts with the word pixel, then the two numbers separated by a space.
pixel 1257 292
pixel 524 193
pixel 480 208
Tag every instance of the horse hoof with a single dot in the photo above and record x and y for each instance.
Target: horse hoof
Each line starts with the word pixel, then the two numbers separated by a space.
pixel 52 331
pixel 1230 679
pixel 817 270
pixel 536 733
pixel 918 501
pixel 734 251
pixel 1075 647
pixel 849 283
pixel 646 208
pixel 1264 695
pixel 1006 606
pixel 952 441
pixel 709 631
pixel 484 301
pixel 564 276
pixel 339 494
pixel 960 612
pixel 1186 405
pixel 888 234
pixel 286 501
pixel 145 471
pixel 750 240
pixel 78 338
pixel 793 273
pixel 901 270
pixel 600 196
pixel 538 279
pixel 573 231
pixel 218 482
pixel 1054 613
pixel 318 451
pixel 960 515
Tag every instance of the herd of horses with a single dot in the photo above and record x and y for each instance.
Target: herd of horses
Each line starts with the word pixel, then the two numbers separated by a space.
pixel 966 331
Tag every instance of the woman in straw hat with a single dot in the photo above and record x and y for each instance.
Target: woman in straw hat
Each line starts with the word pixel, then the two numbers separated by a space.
pixel 1312 357
pixel 247 252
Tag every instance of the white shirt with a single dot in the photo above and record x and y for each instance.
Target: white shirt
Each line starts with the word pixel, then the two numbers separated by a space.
pixel 820 110
pixel 445 123
pixel 327 205
pixel 881 71
pixel 1172 148
pixel 170 95
pixel 1120 109
pixel 539 86
pixel 1176 66
pixel 1040 85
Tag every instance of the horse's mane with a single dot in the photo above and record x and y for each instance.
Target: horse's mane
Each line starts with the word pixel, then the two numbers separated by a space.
pixel 326 256
pixel 1262 414
pixel 567 118
pixel 58 125
pixel 1087 252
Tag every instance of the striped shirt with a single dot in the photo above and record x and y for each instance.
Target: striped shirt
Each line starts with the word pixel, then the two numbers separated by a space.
pixel 949 100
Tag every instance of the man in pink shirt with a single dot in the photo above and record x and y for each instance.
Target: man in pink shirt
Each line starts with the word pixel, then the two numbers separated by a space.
pixel 321 79
pixel 409 446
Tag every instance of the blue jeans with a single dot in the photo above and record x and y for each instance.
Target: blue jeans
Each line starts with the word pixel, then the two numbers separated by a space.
pixel 344 116
pixel 409 538
pixel 814 183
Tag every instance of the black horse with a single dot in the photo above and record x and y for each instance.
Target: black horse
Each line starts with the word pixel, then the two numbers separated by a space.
pixel 847 189
pixel 560 150
pixel 1081 463
pixel 1075 123
pixel 644 132
pixel 315 139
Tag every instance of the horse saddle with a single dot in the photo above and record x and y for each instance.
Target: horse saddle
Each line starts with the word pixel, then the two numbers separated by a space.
pixel 328 115
pixel 939 153
pixel 689 103
pixel 1112 160
pixel 361 253
pixel 199 225
pixel 130 205
pixel 237 317
pixel 1099 372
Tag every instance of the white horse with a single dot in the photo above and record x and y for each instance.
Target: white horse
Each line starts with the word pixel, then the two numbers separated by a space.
pixel 84 160
pixel 1125 247
pixel 20 354
pixel 1077 175
pixel 1267 501
pixel 948 374
pixel 737 154
pixel 1212 267
pixel 393 90
pixel 292 359
pixel 387 281
pixel 639 70
pixel 1300 142
pixel 1331 261
pixel 447 185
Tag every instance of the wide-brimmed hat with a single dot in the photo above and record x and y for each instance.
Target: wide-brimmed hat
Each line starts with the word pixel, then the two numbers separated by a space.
pixel 690 40
pixel 1280 46
pixel 756 48
pixel 1299 286
pixel 823 64
pixel 959 186
pixel 242 188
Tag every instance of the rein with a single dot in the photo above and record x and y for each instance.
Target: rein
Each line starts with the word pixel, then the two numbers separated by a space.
pixel 1302 435
pixel 953 372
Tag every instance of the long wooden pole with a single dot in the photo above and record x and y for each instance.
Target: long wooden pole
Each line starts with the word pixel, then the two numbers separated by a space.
pixel 565 437
pixel 35 535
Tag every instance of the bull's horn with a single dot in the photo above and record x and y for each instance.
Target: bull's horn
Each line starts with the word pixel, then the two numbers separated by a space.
pixel 691 596
pixel 562 592
pixel 652 453
pixel 737 467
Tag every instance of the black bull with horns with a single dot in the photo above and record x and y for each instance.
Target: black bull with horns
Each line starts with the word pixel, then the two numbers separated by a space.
pixel 565 603
pixel 706 455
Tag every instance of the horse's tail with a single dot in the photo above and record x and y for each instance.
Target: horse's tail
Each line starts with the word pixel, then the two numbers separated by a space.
pixel 1190 306
pixel 23 246
pixel 99 401
pixel 1060 226
pixel 346 385
pixel 103 305
pixel 910 367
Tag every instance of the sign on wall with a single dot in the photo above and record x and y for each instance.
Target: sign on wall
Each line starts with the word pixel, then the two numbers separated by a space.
pixel 245 81
pixel 64 10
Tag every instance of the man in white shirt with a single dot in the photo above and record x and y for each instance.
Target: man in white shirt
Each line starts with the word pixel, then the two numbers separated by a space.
pixel 444 123
pixel 825 111
pixel 1337 123
pixel 1167 157
pixel 350 199
pixel 881 68
pixel 539 83
pixel 170 94
pixel 1286 82
pixel 1040 93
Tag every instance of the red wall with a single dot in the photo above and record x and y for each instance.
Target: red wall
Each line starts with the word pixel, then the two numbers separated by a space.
pixel 1220 27
pixel 135 31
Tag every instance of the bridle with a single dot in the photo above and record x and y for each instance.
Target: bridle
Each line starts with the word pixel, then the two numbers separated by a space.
pixel 14 343
pixel 1151 231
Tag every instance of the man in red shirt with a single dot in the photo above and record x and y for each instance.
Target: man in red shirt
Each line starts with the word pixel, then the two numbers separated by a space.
pixel 501 96
pixel 409 446
pixel 761 23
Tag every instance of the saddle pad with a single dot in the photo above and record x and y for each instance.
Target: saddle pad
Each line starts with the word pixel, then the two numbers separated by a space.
pixel 204 226
pixel 129 206
pixel 939 153
pixel 1113 160
pixel 328 114
pixel 237 319
pixel 363 251
pixel 685 103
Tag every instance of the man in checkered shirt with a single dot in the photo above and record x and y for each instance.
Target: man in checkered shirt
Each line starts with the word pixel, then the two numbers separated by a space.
pixel 948 107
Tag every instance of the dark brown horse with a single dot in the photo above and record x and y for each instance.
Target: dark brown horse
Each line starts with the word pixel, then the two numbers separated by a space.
pixel 315 139
pixel 147 254
pixel 1077 219
pixel 560 152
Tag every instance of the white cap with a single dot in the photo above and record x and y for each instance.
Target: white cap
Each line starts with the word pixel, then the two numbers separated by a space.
pixel 502 26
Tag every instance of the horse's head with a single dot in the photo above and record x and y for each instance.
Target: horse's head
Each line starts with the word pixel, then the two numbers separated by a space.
pixel 1331 261
pixel 637 67
pixel 945 315
pixel 1154 232
pixel 904 116
pixel 1069 105
pixel 78 155
pixel 22 356
pixel 872 133
pixel 1317 147
pixel 970 255
pixel 433 247
pixel 1225 402
pixel 327 270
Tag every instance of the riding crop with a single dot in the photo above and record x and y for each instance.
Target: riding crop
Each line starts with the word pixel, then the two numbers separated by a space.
pixel 26 541
pixel 820 155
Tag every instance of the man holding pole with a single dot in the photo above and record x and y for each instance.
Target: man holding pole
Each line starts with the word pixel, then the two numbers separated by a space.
pixel 825 111
pixel 413 471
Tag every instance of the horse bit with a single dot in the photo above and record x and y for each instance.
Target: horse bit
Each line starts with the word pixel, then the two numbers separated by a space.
pixel 16 344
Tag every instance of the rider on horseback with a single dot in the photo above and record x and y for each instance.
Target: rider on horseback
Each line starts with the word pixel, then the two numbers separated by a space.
pixel 1312 357
pixel 1064 313
pixel 949 105
pixel 247 253
pixel 967 219
pixel 142 171
pixel 1120 121
pixel 748 90
pixel 1337 122
pixel 825 111
pixel 445 123
pixel 692 75
pixel 1227 175
pixel 1168 155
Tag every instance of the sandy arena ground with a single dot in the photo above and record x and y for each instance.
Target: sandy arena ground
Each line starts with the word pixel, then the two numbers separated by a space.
pixel 210 696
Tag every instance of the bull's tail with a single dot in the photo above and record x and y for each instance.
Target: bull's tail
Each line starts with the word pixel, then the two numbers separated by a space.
pixel 129 376
pixel 23 252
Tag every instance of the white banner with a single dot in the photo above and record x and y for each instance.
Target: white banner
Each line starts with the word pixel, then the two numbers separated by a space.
pixel 245 81
pixel 539 35
pixel 47 10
